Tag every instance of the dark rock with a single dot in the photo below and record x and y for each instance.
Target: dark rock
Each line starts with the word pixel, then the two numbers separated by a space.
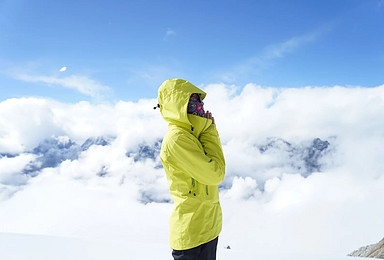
pixel 95 141
pixel 304 159
pixel 51 153
pixel 146 152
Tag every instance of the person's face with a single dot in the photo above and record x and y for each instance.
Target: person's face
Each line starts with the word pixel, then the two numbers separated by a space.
pixel 196 105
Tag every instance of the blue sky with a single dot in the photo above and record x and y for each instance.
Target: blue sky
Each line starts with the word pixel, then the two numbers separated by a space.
pixel 123 50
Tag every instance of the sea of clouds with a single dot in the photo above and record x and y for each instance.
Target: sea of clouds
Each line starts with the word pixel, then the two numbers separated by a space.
pixel 304 171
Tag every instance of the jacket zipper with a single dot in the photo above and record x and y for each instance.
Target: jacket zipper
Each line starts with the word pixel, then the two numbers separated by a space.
pixel 206 121
pixel 193 180
pixel 193 185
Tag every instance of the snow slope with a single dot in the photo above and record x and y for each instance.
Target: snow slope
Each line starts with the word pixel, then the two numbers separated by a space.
pixel 37 247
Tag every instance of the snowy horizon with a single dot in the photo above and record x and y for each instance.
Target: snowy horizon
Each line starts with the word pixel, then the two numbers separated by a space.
pixel 303 168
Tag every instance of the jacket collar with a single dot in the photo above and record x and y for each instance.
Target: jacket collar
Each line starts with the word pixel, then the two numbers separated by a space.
pixel 199 124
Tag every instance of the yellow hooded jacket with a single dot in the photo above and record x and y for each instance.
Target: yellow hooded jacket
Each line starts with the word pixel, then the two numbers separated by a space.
pixel 193 160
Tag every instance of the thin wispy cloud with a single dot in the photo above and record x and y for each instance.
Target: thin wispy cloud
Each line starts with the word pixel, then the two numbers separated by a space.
pixel 150 75
pixel 168 34
pixel 281 49
pixel 82 84
pixel 269 55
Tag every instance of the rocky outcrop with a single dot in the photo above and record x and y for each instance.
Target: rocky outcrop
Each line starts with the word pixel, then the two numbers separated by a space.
pixel 373 251
pixel 304 159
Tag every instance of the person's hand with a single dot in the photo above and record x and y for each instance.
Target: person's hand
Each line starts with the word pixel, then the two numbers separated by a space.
pixel 209 116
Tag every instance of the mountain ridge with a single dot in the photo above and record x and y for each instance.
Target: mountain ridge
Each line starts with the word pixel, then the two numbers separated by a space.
pixel 371 251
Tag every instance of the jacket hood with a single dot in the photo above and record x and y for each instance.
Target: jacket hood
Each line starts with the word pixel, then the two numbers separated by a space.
pixel 173 97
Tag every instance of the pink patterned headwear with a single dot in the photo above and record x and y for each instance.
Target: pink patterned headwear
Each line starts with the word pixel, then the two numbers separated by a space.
pixel 195 105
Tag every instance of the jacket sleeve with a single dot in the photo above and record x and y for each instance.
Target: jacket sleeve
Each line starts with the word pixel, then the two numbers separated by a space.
pixel 208 166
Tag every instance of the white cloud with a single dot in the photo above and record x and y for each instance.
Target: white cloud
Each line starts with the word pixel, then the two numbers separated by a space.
pixel 11 177
pixel 168 34
pixel 82 84
pixel 268 55
pixel 63 69
pixel 26 122
pixel 242 189
pixel 269 203
pixel 283 48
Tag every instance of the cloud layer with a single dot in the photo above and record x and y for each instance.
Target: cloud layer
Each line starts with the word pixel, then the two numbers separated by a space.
pixel 304 171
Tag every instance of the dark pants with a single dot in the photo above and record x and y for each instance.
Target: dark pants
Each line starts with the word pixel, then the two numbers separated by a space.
pixel 205 251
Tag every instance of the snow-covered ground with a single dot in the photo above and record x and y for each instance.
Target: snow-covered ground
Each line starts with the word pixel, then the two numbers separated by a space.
pixel 34 247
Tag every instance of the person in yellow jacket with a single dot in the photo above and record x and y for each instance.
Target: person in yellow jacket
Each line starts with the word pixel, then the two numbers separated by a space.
pixel 194 163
